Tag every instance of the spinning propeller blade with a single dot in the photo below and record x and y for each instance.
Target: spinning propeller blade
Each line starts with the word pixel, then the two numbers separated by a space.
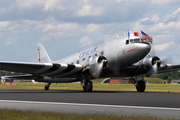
pixel 156 64
pixel 167 60
pixel 153 70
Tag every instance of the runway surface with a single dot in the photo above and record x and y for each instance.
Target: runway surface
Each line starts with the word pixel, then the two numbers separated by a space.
pixel 119 102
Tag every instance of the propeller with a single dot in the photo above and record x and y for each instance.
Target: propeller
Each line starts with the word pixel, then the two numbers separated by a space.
pixel 156 63
pixel 154 69
pixel 167 60
pixel 164 59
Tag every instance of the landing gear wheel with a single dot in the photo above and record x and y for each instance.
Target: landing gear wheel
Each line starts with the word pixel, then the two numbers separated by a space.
pixel 140 87
pixel 88 86
pixel 46 87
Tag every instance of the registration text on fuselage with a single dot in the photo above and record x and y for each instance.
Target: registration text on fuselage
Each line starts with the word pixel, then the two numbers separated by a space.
pixel 88 52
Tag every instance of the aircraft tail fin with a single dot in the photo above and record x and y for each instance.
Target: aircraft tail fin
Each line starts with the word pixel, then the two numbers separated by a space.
pixel 43 57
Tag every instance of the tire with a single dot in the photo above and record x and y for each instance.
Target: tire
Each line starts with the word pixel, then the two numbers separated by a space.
pixel 46 87
pixel 88 87
pixel 140 87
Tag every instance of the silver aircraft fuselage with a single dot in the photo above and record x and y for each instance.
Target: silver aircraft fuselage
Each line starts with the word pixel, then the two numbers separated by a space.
pixel 119 53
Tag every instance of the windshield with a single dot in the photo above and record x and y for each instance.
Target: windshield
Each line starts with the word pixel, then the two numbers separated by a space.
pixel 136 40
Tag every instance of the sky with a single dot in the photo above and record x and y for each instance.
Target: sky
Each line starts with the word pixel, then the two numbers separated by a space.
pixel 65 27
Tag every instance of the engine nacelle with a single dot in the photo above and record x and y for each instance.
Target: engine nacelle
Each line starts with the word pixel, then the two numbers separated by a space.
pixel 149 61
pixel 97 60
pixel 150 64
pixel 96 64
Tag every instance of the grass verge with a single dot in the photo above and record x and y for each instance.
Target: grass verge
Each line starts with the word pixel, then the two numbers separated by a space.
pixel 98 86
pixel 14 114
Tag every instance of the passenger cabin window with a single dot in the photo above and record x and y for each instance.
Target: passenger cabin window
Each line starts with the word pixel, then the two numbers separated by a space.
pixel 77 62
pixel 72 63
pixel 83 59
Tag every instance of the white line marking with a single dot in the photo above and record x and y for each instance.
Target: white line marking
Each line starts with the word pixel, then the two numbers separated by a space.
pixel 92 105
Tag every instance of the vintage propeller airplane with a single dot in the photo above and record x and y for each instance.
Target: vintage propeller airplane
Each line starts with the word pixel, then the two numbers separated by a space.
pixel 122 57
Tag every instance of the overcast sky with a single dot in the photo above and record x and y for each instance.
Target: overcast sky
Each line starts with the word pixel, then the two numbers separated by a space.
pixel 65 27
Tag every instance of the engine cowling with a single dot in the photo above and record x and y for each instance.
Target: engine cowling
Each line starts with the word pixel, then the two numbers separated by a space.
pixel 150 61
pixel 150 64
pixel 96 64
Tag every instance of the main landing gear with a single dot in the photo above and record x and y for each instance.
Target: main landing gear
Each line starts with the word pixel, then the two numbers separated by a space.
pixel 87 86
pixel 46 87
pixel 140 84
pixel 86 83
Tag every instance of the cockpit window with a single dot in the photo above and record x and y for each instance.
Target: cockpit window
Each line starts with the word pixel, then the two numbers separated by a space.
pixel 127 42
pixel 133 41
pixel 136 40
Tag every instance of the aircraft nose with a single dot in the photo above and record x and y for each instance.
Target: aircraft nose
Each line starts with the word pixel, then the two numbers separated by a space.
pixel 146 47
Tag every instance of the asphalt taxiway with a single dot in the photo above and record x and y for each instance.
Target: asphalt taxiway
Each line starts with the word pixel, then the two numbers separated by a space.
pixel 118 102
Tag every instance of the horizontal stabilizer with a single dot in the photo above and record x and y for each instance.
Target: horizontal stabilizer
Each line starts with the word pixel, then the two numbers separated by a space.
pixel 30 77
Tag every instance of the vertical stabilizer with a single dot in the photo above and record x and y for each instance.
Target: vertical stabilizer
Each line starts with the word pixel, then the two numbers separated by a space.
pixel 43 57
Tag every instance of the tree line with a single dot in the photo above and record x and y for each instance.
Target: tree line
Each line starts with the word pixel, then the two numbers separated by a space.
pixel 174 75
pixel 7 73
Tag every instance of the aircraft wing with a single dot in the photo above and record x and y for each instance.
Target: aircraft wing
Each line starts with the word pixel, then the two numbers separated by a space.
pixel 139 70
pixel 41 69
pixel 149 66
pixel 168 68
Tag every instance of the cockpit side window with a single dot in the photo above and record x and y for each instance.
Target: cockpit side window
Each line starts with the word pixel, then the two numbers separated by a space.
pixel 127 42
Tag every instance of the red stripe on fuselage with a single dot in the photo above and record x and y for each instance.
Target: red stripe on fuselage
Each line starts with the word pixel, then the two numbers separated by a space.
pixel 131 50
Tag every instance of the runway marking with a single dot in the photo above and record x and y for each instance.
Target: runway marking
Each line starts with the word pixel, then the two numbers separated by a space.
pixel 92 105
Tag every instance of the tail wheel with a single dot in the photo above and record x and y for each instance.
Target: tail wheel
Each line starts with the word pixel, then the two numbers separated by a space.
pixel 88 86
pixel 141 86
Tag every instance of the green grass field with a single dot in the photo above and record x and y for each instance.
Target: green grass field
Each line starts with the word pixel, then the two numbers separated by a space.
pixel 98 86
pixel 155 85
pixel 13 114
pixel 154 80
